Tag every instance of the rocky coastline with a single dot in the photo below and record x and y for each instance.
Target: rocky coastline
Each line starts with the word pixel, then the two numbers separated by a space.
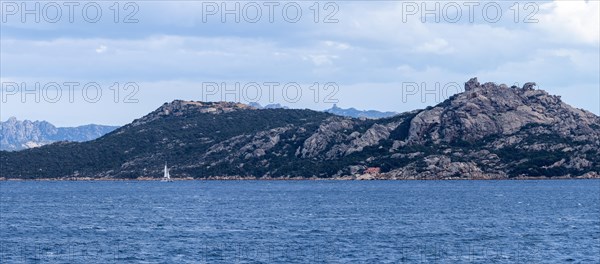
pixel 362 177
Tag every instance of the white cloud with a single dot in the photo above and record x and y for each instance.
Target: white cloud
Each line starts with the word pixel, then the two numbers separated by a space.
pixel 436 46
pixel 550 66
pixel 337 45
pixel 571 21
pixel 321 59
pixel 101 49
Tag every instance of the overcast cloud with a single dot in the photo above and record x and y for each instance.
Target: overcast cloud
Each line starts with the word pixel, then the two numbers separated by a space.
pixel 369 50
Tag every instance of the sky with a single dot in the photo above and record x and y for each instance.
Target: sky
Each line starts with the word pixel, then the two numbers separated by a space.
pixel 106 62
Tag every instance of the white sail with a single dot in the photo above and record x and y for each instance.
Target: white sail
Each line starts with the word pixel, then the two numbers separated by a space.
pixel 167 176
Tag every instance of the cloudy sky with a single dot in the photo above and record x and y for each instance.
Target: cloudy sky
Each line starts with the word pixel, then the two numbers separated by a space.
pixel 100 62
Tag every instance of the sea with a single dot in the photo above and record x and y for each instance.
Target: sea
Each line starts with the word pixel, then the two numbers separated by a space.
pixel 532 221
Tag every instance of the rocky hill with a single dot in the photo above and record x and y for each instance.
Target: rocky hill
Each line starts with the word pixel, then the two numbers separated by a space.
pixel 487 132
pixel 17 135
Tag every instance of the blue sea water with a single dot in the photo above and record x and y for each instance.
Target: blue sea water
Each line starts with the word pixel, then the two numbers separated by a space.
pixel 300 222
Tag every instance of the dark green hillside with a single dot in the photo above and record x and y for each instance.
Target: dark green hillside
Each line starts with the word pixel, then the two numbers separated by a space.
pixel 176 139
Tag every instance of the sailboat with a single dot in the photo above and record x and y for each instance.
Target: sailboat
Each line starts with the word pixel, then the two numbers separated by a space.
pixel 167 176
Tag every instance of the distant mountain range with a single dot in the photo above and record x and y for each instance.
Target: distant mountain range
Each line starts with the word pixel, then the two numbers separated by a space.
pixel 18 135
pixel 353 112
pixel 489 131
pixel 349 112
pixel 269 106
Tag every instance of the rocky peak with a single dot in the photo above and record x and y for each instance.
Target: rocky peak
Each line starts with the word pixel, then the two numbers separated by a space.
pixel 491 109
pixel 181 107
pixel 474 84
